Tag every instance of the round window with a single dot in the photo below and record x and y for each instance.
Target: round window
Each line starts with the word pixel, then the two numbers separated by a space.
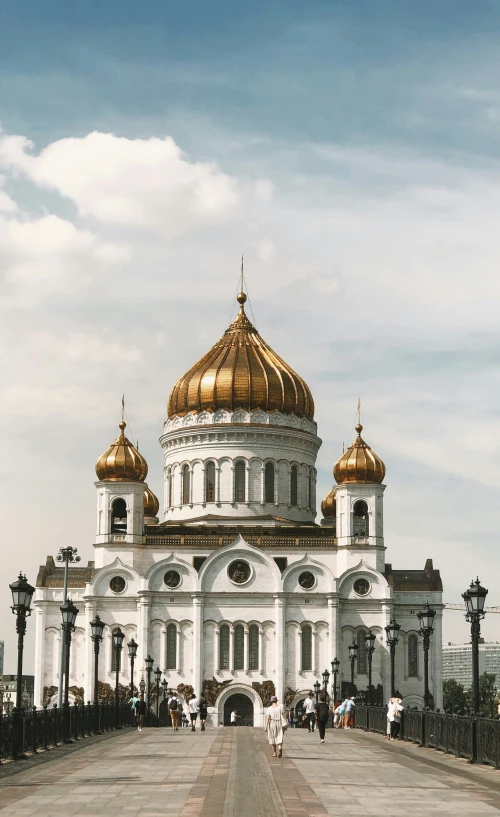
pixel 361 587
pixel 117 584
pixel 172 578
pixel 307 580
pixel 239 572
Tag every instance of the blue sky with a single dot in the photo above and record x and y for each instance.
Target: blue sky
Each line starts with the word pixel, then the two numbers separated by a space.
pixel 349 149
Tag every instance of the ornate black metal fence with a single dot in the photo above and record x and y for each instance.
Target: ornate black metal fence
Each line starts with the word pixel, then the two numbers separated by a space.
pixel 476 739
pixel 35 730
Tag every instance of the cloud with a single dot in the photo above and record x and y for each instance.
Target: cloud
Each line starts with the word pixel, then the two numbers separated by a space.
pixel 134 183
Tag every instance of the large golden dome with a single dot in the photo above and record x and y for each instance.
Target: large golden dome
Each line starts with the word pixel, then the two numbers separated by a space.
pixel 122 461
pixel 329 505
pixel 359 463
pixel 241 371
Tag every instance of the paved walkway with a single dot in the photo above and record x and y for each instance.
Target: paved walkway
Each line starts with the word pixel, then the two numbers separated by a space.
pixel 230 773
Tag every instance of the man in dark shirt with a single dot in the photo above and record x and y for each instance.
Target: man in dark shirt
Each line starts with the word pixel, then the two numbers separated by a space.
pixel 140 711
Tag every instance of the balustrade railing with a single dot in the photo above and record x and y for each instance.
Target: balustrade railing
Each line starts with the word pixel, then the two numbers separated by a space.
pixel 474 738
pixel 37 730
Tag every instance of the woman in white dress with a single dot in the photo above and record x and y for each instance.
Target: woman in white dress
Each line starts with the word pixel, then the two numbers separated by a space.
pixel 274 726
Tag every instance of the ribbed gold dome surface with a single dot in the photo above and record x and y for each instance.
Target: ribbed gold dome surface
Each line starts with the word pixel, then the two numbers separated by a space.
pixel 359 463
pixel 329 505
pixel 122 461
pixel 241 371
pixel 151 504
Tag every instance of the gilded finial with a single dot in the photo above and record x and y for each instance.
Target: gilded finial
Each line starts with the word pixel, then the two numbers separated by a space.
pixel 241 295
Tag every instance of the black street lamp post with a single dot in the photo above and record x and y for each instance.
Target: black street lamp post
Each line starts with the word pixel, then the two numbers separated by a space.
pixel 326 678
pixel 22 593
pixel 132 654
pixel 317 687
pixel 426 619
pixel 118 637
pixel 475 598
pixel 142 683
pixel 353 654
pixel 164 686
pixel 392 633
pixel 157 683
pixel 149 669
pixel 96 627
pixel 370 639
pixel 335 671
pixel 68 555
pixel 68 613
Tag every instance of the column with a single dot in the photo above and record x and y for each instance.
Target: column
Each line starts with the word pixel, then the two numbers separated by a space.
pixel 261 651
pixel 197 642
pixel 245 653
pixel 88 670
pixel 231 649
pixel 247 483
pixel 262 480
pixel 315 650
pixel 163 649
pixel 276 484
pixel 178 649
pixel 39 652
pixel 299 650
pixel 436 665
pixel 217 484
pixel 333 616
pixel 279 607
pixel 144 611
pixel 217 650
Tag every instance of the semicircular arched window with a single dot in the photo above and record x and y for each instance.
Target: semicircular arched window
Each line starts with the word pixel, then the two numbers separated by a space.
pixel 360 518
pixel 171 646
pixel 253 647
pixel 239 647
pixel 412 656
pixel 224 647
pixel 119 516
pixel 362 663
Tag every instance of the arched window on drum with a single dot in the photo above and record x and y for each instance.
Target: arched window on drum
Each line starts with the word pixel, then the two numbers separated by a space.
pixel 185 484
pixel 306 657
pixel 269 483
pixel 210 482
pixel 239 481
pixel 412 656
pixel 294 486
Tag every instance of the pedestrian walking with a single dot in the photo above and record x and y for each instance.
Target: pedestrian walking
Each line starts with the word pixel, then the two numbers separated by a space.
pixel 203 713
pixel 322 712
pixel 389 712
pixel 395 717
pixel 309 711
pixel 140 711
pixel 132 702
pixel 194 708
pixel 174 710
pixel 235 718
pixel 276 723
pixel 337 716
pixel 349 712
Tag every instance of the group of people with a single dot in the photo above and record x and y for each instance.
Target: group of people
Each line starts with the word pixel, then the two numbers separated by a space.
pixel 394 709
pixel 196 706
pixel 316 713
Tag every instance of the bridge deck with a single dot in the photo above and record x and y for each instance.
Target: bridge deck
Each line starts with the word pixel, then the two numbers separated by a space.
pixel 229 773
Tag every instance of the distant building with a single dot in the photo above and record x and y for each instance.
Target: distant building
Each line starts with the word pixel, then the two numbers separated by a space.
pixel 2 649
pixel 8 685
pixel 457 662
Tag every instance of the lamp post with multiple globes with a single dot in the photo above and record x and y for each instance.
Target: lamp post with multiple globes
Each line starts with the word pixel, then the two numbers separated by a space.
pixel 370 639
pixel 474 598
pixel 426 619
pixel 335 673
pixel 353 654
pixel 132 654
pixel 68 613
pixel 96 629
pixel 22 594
pixel 118 638
pixel 392 633
pixel 157 686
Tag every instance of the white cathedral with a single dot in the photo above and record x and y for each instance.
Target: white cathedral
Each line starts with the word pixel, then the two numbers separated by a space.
pixel 239 594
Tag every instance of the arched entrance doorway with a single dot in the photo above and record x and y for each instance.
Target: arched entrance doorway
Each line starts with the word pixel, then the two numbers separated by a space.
pixel 244 706
pixel 165 719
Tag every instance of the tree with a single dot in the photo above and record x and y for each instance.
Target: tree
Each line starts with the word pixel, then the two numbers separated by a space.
pixel 487 694
pixel 455 697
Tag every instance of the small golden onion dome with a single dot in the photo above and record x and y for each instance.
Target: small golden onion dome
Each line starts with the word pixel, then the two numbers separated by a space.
pixel 241 371
pixel 122 461
pixel 359 463
pixel 329 505
pixel 151 503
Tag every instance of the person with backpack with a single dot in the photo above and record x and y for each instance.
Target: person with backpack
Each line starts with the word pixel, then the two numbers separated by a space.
pixel 322 712
pixel 174 709
pixel 140 712
pixel 203 713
